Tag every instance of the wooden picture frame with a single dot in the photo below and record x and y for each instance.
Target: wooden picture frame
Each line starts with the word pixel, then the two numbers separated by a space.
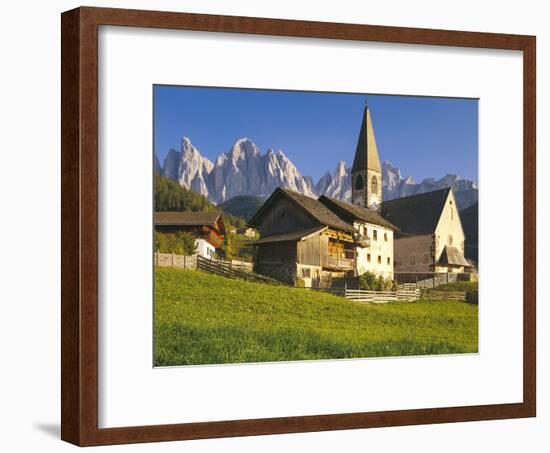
pixel 79 134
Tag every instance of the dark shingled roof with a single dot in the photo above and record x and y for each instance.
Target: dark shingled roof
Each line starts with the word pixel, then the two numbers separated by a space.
pixel 351 212
pixel 313 207
pixel 366 152
pixel 417 214
pixel 451 255
pixel 294 236
pixel 186 218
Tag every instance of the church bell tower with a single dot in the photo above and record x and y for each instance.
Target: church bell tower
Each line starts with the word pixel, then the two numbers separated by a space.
pixel 366 173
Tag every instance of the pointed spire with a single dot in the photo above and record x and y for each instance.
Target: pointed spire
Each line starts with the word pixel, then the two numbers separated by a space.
pixel 366 153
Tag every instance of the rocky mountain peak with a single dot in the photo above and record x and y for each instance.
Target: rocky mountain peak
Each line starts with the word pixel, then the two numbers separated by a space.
pixel 244 170
pixel 244 148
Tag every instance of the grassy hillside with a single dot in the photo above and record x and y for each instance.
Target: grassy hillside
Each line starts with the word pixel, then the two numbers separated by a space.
pixel 201 318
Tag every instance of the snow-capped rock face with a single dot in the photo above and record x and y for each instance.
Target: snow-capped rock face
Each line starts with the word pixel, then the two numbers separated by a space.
pixel 193 168
pixel 337 185
pixel 244 170
pixel 188 167
pixel 391 177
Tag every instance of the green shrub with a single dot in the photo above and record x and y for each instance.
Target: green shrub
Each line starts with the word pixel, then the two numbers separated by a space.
pixel 180 243
pixel 369 281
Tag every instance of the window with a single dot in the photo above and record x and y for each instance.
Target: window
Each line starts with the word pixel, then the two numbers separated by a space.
pixel 359 182
pixel 374 185
pixel 368 257
pixel 379 259
pixel 306 272
pixel 425 258
pixel 412 260
pixel 386 237
pixel 375 235
pixel 388 260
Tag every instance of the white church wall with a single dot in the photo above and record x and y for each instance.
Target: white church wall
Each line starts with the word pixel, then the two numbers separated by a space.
pixel 449 228
pixel 378 257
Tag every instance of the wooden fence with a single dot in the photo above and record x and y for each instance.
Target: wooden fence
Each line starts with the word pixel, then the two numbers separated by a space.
pixel 190 262
pixel 173 260
pixel 229 270
pixel 423 282
pixel 382 296
pixel 464 296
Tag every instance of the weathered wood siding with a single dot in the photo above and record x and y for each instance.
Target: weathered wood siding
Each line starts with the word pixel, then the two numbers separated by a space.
pixel 285 217
pixel 309 250
pixel 277 253
pixel 323 247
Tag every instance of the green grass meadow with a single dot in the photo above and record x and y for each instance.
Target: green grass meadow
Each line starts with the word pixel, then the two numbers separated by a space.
pixel 202 318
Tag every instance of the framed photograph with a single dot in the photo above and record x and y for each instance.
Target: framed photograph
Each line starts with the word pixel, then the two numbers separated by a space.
pixel 274 226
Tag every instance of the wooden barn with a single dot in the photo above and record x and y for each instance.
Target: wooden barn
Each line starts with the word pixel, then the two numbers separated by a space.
pixel 302 241
pixel 208 226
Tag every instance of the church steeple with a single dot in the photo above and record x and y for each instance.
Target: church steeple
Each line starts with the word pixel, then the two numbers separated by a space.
pixel 366 173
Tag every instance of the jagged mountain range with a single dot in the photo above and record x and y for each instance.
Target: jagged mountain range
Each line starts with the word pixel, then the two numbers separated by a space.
pixel 244 170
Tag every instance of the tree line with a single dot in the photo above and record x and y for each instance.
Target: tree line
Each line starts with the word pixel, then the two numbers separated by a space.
pixel 170 196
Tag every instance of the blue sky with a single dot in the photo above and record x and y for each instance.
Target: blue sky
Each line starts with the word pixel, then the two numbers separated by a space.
pixel 423 136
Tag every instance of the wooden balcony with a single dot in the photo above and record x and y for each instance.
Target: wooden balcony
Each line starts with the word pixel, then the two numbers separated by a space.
pixel 340 263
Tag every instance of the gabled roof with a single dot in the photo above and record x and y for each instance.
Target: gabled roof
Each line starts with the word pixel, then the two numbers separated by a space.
pixel 189 218
pixel 366 153
pixel 294 236
pixel 451 255
pixel 350 212
pixel 314 208
pixel 417 214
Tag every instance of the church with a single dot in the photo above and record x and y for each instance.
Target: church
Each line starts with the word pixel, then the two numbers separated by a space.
pixel 310 242
pixel 429 235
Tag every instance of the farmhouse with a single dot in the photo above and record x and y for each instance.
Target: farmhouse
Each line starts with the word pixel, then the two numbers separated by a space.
pixel 207 227
pixel 300 238
pixel 431 237
pixel 373 236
